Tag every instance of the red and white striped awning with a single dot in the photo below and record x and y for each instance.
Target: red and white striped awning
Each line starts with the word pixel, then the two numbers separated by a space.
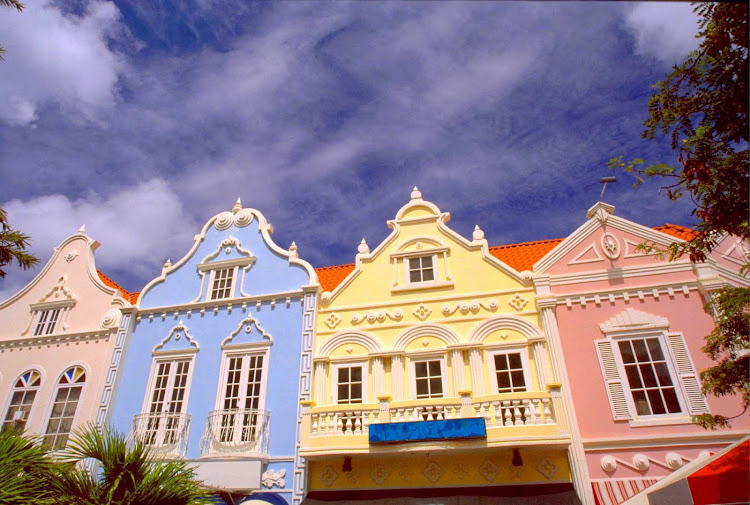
pixel 616 491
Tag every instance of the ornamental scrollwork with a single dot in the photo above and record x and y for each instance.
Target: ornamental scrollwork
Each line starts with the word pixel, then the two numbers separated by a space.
pixel 377 316
pixel 466 307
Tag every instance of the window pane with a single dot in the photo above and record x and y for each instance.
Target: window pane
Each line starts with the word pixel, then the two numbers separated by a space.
pixel 626 352
pixel 436 386
pixel 356 374
pixel 655 348
pixel 420 369
pixel 649 379
pixel 641 404
pixel 634 378
pixel 518 380
pixel 503 380
pixel 343 375
pixel 673 406
pixel 422 387
pixel 356 392
pixel 427 262
pixel 657 405
pixel 343 392
pixel 414 264
pixel 428 275
pixel 640 351
pixel 662 372
pixel 515 360
pixel 434 368
pixel 501 362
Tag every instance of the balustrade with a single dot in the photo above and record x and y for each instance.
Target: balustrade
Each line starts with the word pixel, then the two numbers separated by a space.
pixel 236 431
pixel 164 433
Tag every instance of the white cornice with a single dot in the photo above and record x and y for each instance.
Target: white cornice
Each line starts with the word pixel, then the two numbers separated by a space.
pixel 61 338
pixel 663 440
pixel 639 293
pixel 625 272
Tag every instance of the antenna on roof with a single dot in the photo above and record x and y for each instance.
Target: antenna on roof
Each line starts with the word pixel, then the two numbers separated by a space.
pixel 605 180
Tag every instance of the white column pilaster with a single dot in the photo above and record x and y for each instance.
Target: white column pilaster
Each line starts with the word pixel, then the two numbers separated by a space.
pixel 543 373
pixel 378 377
pixel 397 377
pixel 459 374
pixel 476 366
pixel 320 392
pixel 576 454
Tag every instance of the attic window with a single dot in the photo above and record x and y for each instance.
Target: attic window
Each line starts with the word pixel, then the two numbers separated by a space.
pixel 421 269
pixel 47 321
pixel 222 282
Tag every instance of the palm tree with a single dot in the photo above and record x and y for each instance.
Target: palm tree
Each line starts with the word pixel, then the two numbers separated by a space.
pixel 128 474
pixel 25 469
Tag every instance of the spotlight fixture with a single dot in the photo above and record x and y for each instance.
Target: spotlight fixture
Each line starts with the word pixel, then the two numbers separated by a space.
pixel 516 461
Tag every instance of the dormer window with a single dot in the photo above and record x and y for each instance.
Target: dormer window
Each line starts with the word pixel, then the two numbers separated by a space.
pixel 224 269
pixel 47 322
pixel 222 282
pixel 421 269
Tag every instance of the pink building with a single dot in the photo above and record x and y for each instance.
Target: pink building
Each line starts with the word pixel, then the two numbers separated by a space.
pixel 631 327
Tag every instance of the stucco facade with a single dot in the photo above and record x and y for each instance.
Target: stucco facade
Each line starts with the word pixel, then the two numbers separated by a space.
pixel 57 337
pixel 218 356
pixel 631 327
pixel 427 330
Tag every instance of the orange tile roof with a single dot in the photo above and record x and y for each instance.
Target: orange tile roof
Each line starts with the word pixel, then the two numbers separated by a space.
pixel 330 277
pixel 133 297
pixel 677 231
pixel 521 256
pixel 112 284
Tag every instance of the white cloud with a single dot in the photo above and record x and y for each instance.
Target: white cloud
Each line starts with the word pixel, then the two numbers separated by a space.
pixel 138 226
pixel 52 57
pixel 663 30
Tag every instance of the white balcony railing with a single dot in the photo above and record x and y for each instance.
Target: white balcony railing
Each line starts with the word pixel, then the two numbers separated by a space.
pixel 498 411
pixel 236 431
pixel 164 433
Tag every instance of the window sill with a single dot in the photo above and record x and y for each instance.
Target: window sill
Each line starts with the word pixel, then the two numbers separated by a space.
pixel 417 286
pixel 661 421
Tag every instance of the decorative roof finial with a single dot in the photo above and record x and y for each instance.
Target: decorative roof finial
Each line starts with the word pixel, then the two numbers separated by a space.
pixel 416 194
pixel 478 233
pixel 237 206
pixel 363 248
pixel 82 229
pixel 167 264
pixel 293 250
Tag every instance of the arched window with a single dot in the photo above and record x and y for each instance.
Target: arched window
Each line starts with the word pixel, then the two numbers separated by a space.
pixel 69 389
pixel 22 399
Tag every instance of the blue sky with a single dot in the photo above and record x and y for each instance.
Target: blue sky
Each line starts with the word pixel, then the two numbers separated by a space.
pixel 143 119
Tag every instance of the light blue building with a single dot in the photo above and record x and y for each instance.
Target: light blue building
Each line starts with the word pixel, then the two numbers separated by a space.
pixel 219 357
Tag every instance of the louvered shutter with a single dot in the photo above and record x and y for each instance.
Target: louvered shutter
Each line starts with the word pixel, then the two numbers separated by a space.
pixel 615 390
pixel 691 384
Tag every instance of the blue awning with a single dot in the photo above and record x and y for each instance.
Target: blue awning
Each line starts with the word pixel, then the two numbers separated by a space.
pixel 415 431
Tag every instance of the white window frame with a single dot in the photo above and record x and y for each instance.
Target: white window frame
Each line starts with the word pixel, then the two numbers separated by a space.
pixel 12 422
pixel 334 367
pixel 232 286
pixel 47 322
pixel 244 351
pixel 413 360
pixel 407 269
pixel 668 358
pixel 524 352
pixel 79 401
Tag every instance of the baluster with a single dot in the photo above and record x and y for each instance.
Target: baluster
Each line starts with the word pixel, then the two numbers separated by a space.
pixel 531 409
pixel 517 413
pixel 357 423
pixel 366 422
pixel 487 415
pixel 415 414
pixel 339 424
pixel 497 418
pixel 547 412
pixel 314 429
pixel 440 415
pixel 400 415
pixel 508 415
pixel 480 410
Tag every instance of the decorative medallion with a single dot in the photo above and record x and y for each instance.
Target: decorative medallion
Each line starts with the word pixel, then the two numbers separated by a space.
pixel 547 468
pixel 405 472
pixel 422 312
pixel 379 316
pixel 111 318
pixel 270 479
pixel 518 302
pixel 460 470
pixel 609 463
pixel 328 476
pixel 641 462
pixel 71 255
pixel 332 321
pixel 674 460
pixel 466 307
pixel 433 472
pixel 379 474
pixel 610 246
pixel 489 470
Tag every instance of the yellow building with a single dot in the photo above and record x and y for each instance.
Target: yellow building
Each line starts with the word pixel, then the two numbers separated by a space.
pixel 433 377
